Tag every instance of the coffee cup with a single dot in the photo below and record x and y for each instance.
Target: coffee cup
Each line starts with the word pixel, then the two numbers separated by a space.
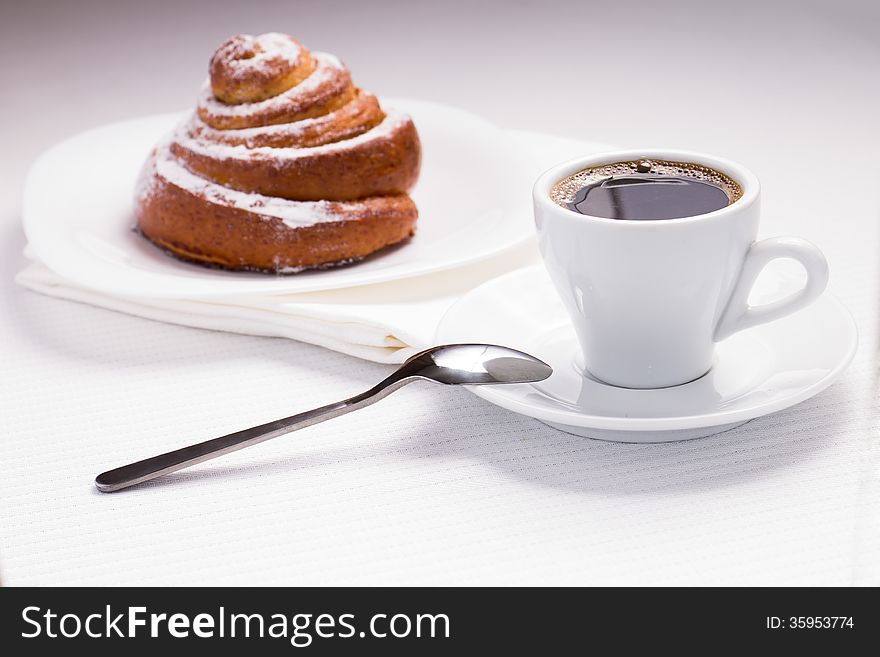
pixel 649 299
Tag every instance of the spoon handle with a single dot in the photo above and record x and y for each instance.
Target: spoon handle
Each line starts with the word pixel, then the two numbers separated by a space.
pixel 156 466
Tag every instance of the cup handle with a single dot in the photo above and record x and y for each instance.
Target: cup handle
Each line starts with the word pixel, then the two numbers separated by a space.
pixel 739 315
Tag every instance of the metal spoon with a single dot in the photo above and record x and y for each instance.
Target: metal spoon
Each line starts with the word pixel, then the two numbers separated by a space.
pixel 451 364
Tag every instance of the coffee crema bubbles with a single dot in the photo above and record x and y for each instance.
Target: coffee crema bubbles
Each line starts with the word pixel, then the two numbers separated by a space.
pixel 646 190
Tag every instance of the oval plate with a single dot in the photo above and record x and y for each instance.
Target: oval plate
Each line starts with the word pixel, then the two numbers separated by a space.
pixel 473 198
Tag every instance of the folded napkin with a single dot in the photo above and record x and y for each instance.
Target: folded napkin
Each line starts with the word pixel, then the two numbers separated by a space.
pixel 385 322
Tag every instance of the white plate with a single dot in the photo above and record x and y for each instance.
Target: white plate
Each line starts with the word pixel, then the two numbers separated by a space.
pixel 473 200
pixel 756 372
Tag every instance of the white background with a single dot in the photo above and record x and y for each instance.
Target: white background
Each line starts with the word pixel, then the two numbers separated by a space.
pixel 436 486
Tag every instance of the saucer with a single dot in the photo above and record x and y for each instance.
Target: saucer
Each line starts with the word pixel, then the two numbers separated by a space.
pixel 756 372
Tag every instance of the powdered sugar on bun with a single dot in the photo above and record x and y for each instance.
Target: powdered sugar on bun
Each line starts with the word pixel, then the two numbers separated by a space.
pixel 247 69
pixel 293 213
pixel 284 165
pixel 392 122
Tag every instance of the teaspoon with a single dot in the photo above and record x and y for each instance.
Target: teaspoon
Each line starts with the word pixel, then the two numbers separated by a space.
pixel 451 364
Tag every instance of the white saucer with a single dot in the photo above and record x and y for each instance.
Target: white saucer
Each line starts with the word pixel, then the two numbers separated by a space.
pixel 77 211
pixel 756 372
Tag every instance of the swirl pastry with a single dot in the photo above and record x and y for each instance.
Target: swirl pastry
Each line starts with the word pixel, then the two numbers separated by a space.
pixel 285 165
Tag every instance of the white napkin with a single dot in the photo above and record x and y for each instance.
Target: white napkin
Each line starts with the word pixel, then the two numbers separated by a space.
pixel 385 322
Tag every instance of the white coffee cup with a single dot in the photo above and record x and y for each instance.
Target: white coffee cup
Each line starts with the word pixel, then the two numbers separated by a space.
pixel 649 299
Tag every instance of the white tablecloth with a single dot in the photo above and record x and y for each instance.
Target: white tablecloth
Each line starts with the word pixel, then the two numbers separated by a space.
pixel 434 485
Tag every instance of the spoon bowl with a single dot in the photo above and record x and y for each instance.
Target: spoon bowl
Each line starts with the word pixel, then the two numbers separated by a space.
pixel 475 364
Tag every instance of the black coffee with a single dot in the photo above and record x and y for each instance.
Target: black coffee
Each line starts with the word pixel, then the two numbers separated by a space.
pixel 646 190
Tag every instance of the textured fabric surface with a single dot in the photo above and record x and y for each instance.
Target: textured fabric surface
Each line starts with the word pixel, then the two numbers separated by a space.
pixel 430 486
pixel 434 485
